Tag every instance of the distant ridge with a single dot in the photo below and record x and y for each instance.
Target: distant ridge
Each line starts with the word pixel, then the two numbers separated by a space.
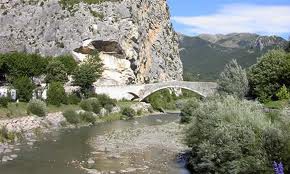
pixel 205 55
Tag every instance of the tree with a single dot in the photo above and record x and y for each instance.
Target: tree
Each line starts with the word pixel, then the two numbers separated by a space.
pixel 24 88
pixel 287 49
pixel 283 93
pixel 270 73
pixel 88 73
pixel 56 94
pixel 56 72
pixel 23 64
pixel 233 80
pixel 69 62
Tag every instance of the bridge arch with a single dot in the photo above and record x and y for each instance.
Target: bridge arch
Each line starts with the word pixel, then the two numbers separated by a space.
pixel 148 93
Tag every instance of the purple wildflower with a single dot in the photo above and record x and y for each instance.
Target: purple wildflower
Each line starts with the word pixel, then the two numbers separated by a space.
pixel 278 168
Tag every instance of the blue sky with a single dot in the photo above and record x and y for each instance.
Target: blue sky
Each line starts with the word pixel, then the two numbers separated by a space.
pixel 265 17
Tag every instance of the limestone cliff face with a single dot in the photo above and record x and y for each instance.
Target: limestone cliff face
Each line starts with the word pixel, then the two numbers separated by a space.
pixel 134 37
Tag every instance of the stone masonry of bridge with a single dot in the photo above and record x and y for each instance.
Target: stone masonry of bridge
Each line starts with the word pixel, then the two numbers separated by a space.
pixel 140 92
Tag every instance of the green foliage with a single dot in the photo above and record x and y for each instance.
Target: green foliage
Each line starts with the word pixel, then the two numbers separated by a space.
pixel 162 99
pixel 56 72
pixel 228 135
pixel 73 99
pixel 106 100
pixel 6 135
pixel 72 117
pixel 24 87
pixel 87 73
pixel 91 105
pixel 128 112
pixel 188 110
pixel 88 117
pixel 69 62
pixel 270 73
pixel 37 107
pixel 17 65
pixel 283 93
pixel 56 94
pixel 4 102
pixel 233 80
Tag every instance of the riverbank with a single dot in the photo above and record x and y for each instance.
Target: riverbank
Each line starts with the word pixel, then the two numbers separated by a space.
pixel 27 129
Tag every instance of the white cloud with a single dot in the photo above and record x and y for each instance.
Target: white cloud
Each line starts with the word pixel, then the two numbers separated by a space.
pixel 240 18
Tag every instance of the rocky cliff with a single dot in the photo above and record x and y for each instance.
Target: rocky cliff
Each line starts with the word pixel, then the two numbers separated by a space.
pixel 134 37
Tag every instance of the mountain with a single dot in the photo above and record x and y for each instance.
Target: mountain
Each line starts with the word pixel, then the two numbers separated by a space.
pixel 204 56
pixel 135 38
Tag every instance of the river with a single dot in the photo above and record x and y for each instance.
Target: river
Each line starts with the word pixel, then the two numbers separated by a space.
pixel 70 151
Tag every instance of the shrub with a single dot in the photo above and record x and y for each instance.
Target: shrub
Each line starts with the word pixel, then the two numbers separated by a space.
pixel 129 112
pixel 37 107
pixel 283 93
pixel 225 137
pixel 73 99
pixel 56 94
pixel 4 102
pixel 233 80
pixel 188 110
pixel 72 116
pixel 140 112
pixel 24 88
pixel 162 99
pixel 106 100
pixel 91 105
pixel 88 117
pixel 109 107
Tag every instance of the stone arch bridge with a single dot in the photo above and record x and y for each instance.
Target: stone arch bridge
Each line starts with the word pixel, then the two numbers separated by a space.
pixel 140 92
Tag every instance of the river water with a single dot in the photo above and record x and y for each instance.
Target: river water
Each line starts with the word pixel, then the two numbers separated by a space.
pixel 67 151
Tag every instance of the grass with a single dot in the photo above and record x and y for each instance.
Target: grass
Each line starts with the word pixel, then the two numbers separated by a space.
pixel 20 109
pixel 280 104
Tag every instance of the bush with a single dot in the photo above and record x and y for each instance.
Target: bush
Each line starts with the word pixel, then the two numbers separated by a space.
pixel 188 110
pixel 162 99
pixel 72 117
pixel 4 102
pixel 225 137
pixel 106 100
pixel 129 112
pixel 91 105
pixel 73 99
pixel 283 93
pixel 24 88
pixel 109 107
pixel 37 107
pixel 56 94
pixel 88 117
pixel 233 80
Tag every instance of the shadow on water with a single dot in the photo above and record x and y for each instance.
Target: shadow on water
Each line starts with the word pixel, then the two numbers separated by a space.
pixel 56 152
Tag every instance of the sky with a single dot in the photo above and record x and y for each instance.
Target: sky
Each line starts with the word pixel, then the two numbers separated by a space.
pixel 264 17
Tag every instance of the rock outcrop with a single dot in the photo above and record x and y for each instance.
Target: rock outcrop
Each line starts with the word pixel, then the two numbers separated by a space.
pixel 134 37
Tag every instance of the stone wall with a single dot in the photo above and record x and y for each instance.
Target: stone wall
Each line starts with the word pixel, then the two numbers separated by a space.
pixel 140 30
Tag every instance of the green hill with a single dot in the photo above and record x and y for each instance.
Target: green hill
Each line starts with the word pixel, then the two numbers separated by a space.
pixel 205 56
